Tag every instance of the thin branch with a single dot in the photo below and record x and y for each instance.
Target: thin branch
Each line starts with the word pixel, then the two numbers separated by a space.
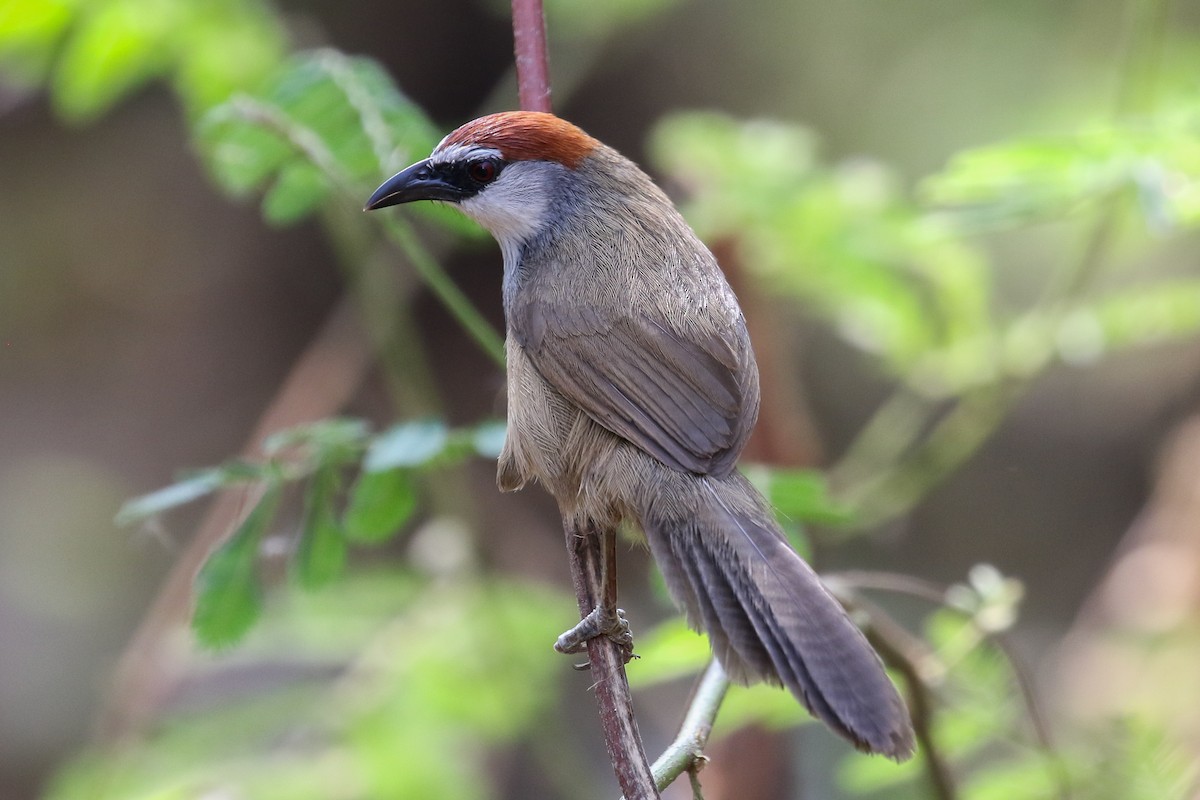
pixel 591 548
pixel 686 753
pixel 892 641
pixel 529 47
pixel 1037 717
pixel 845 586
pixel 857 579
pixel 898 486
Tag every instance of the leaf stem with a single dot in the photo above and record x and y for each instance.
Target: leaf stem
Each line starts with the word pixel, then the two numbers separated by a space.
pixel 399 232
pixel 592 552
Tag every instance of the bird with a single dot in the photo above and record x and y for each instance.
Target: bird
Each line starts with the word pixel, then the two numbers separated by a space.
pixel 632 389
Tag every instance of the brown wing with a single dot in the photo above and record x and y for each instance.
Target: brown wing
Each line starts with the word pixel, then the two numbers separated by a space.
pixel 689 402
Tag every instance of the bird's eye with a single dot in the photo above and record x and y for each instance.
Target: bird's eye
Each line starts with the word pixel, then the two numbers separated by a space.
pixel 483 171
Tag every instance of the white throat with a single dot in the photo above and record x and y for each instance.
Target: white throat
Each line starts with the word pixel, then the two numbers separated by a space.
pixel 515 208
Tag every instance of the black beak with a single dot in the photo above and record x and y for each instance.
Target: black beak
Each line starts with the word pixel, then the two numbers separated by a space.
pixel 421 181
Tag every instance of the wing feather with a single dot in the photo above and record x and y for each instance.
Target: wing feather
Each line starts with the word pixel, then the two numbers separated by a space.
pixel 685 399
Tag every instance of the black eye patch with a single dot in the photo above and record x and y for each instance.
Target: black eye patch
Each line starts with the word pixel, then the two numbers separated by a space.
pixel 469 177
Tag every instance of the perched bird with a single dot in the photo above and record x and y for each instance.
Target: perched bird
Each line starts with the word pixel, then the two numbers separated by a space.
pixel 632 390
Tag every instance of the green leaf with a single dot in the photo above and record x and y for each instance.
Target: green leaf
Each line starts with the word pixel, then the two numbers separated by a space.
pixel 242 153
pixel 191 486
pixel 327 436
pixel 321 551
pixel 1018 779
pixel 761 704
pixel 1137 316
pixel 29 33
pixel 871 776
pixel 115 47
pixel 409 444
pixel 803 495
pixel 228 595
pixel 226 47
pixel 841 238
pixel 98 51
pixel 1134 758
pixel 380 503
pixel 297 192
pixel 326 119
pixel 1152 160
pixel 139 509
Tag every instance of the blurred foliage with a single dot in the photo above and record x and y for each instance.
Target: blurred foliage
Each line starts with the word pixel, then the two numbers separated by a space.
pixel 323 122
pixel 903 276
pixel 1155 161
pixel 900 279
pixel 904 280
pixel 842 237
pixel 378 504
pixel 372 698
pixel 92 53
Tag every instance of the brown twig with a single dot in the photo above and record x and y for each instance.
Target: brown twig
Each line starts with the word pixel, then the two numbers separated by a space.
pixel 529 46
pixel 593 572
pixel 891 641
pixel 1037 717
pixel 895 650
pixel 592 550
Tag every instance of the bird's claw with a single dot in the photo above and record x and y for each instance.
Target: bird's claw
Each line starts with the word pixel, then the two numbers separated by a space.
pixel 600 622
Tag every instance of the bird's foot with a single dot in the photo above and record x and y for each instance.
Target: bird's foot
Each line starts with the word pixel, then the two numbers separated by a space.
pixel 600 622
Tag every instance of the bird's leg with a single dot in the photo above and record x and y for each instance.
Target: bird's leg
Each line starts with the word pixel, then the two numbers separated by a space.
pixel 605 619
pixel 599 622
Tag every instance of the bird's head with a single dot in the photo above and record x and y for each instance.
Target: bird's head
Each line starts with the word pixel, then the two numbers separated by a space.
pixel 501 170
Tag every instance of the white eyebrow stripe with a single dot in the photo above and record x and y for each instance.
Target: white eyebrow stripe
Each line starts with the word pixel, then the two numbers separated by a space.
pixel 462 152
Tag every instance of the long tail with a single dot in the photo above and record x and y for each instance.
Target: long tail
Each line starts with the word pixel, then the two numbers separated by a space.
pixel 769 617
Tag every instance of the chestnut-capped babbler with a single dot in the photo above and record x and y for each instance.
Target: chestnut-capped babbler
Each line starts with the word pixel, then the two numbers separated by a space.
pixel 632 389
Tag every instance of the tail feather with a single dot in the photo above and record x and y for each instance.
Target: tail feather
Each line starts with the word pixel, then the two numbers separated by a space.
pixel 736 643
pixel 768 615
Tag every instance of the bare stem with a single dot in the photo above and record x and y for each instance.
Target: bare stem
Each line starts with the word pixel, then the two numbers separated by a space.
pixel 686 753
pixel 590 549
pixel 1055 765
pixel 529 46
pixel 892 642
